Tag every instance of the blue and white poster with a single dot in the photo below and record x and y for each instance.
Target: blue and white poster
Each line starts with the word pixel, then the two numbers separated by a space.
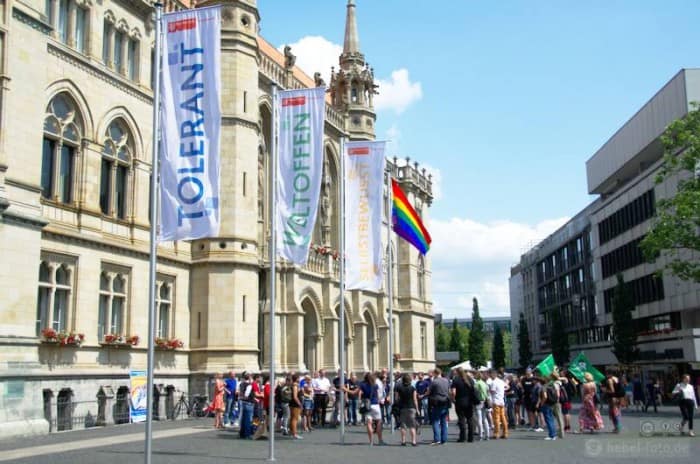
pixel 191 125
pixel 138 398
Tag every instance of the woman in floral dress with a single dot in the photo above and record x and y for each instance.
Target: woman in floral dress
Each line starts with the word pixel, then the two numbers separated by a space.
pixel 589 419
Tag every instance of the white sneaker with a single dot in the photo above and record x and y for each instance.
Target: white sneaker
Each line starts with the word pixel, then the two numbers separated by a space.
pixel 550 438
pixel 539 429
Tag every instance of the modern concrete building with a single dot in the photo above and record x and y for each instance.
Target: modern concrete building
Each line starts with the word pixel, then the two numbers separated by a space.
pixel 604 238
pixel 76 107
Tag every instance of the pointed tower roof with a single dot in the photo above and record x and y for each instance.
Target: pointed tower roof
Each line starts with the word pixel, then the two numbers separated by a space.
pixel 352 40
pixel 351 45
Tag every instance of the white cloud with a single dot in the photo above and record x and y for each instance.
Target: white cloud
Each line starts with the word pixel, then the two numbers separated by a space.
pixel 463 240
pixel 316 54
pixel 473 259
pixel 398 92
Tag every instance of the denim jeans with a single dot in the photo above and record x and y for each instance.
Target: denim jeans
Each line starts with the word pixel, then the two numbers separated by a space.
pixel 231 413
pixel 352 410
pixel 424 415
pixel 549 420
pixel 247 419
pixel 439 420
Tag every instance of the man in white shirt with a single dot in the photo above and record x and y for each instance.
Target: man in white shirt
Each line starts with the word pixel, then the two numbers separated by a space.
pixel 322 387
pixel 497 389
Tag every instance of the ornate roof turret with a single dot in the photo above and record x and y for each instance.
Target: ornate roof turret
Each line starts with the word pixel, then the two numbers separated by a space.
pixel 352 88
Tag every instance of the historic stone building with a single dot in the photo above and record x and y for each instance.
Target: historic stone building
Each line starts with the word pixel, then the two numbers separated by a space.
pixel 75 165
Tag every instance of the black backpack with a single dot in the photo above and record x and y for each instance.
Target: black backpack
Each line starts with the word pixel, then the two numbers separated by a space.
pixel 619 390
pixel 551 396
pixel 286 394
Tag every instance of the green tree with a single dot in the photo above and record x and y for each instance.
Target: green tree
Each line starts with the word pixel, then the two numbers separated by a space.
pixel 477 356
pixel 498 356
pixel 674 232
pixel 524 350
pixel 458 340
pixel 624 334
pixel 559 339
pixel 508 347
pixel 441 338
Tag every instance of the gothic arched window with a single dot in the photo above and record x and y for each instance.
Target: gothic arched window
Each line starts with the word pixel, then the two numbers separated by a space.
pixel 63 127
pixel 117 156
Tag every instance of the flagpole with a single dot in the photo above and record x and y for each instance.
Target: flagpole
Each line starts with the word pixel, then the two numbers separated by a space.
pixel 154 228
pixel 390 292
pixel 341 257
pixel 273 273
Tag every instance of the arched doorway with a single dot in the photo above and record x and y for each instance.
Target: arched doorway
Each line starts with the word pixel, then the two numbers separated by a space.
pixel 64 410
pixel 311 336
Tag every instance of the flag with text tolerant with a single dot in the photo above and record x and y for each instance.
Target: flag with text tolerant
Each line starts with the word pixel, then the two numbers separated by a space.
pixel 364 187
pixel 191 124
pixel 299 169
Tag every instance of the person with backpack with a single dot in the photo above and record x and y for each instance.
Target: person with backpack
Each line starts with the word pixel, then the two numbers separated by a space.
pixel 285 400
pixel 615 391
pixel 557 406
pixel 406 400
pixel 548 398
pixel 248 393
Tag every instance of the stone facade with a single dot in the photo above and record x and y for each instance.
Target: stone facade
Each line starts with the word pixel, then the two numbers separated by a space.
pixel 75 162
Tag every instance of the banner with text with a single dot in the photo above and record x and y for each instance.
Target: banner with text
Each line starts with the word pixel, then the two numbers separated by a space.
pixel 138 400
pixel 299 170
pixel 191 123
pixel 364 184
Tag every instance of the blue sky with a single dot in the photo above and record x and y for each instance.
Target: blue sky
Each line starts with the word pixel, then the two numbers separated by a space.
pixel 504 101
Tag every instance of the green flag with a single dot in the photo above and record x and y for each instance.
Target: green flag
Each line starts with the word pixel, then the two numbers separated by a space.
pixel 580 365
pixel 546 366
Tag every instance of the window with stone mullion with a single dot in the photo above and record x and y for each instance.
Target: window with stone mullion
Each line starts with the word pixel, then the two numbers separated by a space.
pixel 53 302
pixel 62 136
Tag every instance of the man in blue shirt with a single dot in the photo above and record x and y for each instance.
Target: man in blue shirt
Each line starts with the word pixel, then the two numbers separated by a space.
pixel 421 389
pixel 231 389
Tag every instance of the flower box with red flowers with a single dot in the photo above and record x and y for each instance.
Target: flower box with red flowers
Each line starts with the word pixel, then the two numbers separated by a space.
pixel 61 338
pixel 168 343
pixel 120 340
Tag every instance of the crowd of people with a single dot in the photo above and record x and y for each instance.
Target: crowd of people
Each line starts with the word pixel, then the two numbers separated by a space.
pixel 488 403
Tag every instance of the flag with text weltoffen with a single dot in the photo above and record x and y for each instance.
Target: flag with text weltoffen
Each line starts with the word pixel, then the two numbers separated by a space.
pixel 300 167
pixel 364 184
pixel 191 123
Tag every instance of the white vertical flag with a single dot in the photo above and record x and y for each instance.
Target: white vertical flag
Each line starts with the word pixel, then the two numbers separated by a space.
pixel 300 166
pixel 364 184
pixel 191 121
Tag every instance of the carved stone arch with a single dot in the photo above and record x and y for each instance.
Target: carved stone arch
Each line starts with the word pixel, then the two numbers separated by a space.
pixel 110 17
pixel 135 34
pixel 67 86
pixel 349 323
pixel 369 309
pixel 121 112
pixel 311 295
pixel 122 26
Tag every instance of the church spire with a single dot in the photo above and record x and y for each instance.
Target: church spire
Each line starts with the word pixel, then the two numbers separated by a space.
pixel 351 45
pixel 352 40
pixel 352 88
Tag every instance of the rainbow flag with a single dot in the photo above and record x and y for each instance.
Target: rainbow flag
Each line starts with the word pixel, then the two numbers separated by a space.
pixel 407 223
